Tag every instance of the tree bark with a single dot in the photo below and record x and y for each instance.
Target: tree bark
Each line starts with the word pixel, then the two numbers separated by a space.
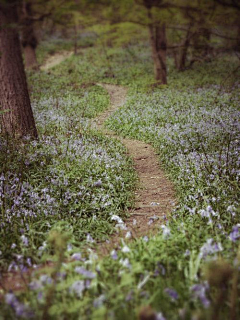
pixel 158 43
pixel 201 41
pixel 29 39
pixel 16 113
pixel 30 57
pixel 238 39
pixel 181 63
pixel 75 40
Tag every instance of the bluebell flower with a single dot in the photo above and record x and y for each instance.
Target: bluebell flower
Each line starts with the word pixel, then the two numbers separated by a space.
pixel 24 240
pixel 125 249
pixel 76 256
pixel 172 293
pixel 159 316
pixel 145 238
pixel 77 287
pixel 98 302
pixel 235 234
pixel 114 255
pixel 86 273
pixel 199 292
pixel 166 231
pixel 210 247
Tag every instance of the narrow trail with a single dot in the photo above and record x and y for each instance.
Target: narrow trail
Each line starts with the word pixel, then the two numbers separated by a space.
pixel 155 196
pixel 55 59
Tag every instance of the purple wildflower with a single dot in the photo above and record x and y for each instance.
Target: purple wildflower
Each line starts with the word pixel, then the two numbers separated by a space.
pixel 145 238
pixel 45 279
pixel 210 247
pixel 125 263
pixel 235 234
pixel 128 235
pixel 97 184
pixel 24 240
pixel 166 231
pixel 199 292
pixel 125 249
pixel 76 256
pixel 129 296
pixel 114 255
pixel 172 293
pixel 89 238
pixel 35 285
pixel 159 316
pixel 98 302
pixel 77 287
pixel 159 268
pixel 86 273
pixel 20 309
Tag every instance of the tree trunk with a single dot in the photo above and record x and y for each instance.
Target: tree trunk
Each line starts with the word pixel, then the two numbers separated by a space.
pixel 238 39
pixel 206 34
pixel 30 57
pixel 201 42
pixel 181 64
pixel 158 43
pixel 17 117
pixel 175 53
pixel 29 39
pixel 75 40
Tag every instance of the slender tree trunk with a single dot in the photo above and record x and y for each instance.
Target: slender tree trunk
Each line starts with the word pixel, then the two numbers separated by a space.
pixel 75 40
pixel 238 39
pixel 29 39
pixel 161 44
pixel 158 43
pixel 175 56
pixel 30 57
pixel 206 34
pixel 183 51
pixel 17 117
pixel 201 42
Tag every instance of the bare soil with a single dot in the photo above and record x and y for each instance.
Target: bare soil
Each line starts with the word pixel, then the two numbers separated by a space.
pixel 55 59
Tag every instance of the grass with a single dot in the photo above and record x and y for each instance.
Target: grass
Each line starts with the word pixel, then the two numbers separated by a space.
pixel 190 268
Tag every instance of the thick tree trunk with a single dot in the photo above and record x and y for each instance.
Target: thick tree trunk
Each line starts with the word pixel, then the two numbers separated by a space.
pixel 28 39
pixel 17 117
pixel 158 43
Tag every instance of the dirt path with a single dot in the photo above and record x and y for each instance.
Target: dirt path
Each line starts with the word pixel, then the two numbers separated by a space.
pixel 155 195
pixel 55 59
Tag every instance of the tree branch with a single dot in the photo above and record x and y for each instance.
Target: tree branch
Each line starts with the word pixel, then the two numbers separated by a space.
pixel 233 4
